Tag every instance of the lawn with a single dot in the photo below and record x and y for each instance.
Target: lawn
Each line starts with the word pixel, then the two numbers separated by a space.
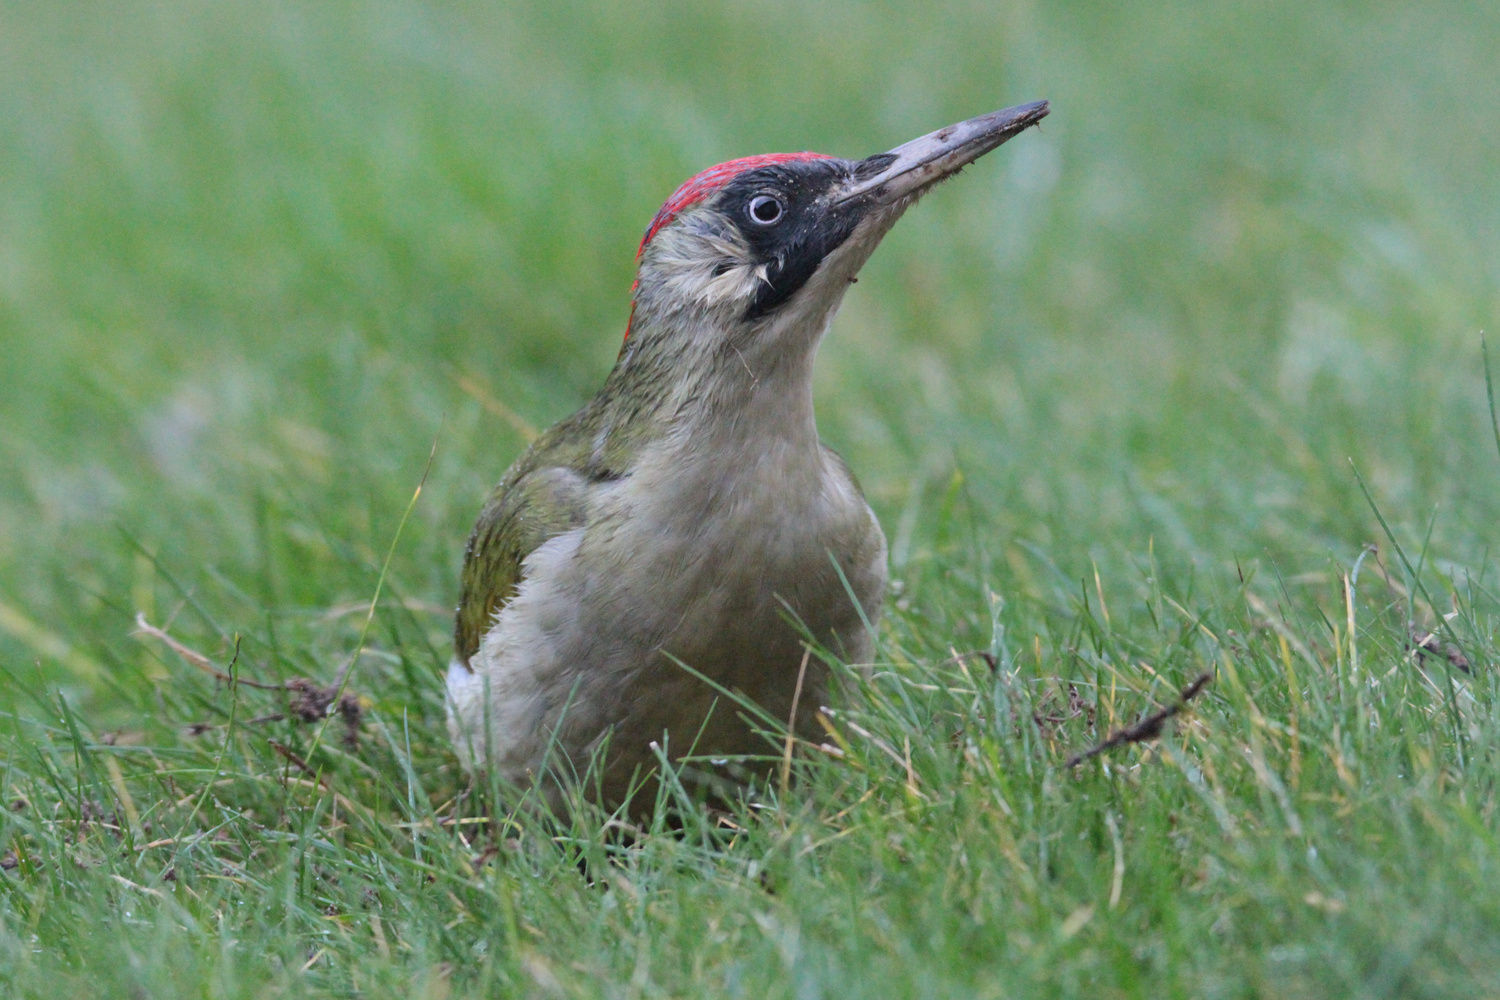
pixel 1190 381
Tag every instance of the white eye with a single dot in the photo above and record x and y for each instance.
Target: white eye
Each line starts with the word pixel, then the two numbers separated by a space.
pixel 765 210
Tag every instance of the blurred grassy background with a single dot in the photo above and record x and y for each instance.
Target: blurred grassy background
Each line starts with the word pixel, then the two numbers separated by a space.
pixel 256 257
pixel 247 250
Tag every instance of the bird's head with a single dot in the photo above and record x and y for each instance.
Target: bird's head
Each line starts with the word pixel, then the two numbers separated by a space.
pixel 754 255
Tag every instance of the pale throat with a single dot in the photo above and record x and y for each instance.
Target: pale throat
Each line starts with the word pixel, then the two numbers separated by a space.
pixel 741 388
pixel 759 391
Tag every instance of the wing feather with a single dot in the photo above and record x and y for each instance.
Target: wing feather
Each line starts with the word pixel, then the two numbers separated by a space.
pixel 522 512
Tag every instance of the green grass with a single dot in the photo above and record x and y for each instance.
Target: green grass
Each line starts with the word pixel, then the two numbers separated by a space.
pixel 1113 394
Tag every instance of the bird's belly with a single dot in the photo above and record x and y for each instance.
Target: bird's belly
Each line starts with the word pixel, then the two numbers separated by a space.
pixel 742 582
pixel 611 629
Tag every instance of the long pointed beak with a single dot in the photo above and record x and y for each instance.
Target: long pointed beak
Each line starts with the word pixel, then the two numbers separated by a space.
pixel 914 166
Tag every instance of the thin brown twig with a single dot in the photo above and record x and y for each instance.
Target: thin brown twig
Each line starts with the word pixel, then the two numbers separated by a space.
pixel 301 765
pixel 1425 644
pixel 315 780
pixel 961 658
pixel 1148 728
pixel 309 700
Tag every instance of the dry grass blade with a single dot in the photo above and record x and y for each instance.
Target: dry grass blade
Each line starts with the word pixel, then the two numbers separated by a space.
pixel 196 659
pixel 791 724
pixel 473 387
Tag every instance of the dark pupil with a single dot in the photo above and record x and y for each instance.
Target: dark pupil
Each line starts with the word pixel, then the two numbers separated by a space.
pixel 765 209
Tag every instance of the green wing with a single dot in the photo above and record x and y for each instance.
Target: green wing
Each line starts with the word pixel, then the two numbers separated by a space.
pixel 545 493
pixel 530 506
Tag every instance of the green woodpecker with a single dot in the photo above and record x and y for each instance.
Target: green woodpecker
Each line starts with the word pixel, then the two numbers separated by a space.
pixel 689 514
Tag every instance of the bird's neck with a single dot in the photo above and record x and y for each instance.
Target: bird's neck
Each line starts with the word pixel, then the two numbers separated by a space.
pixel 719 387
